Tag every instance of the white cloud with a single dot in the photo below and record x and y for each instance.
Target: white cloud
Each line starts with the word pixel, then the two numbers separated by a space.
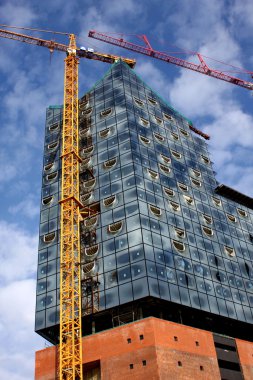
pixel 196 95
pixel 241 15
pixel 114 8
pixel 16 327
pixel 152 76
pixel 17 15
pixel 215 106
pixel 230 126
pixel 23 107
pixel 18 253
pixel 7 169
pixel 28 207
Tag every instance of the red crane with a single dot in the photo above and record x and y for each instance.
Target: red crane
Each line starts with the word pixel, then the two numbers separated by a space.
pixel 202 67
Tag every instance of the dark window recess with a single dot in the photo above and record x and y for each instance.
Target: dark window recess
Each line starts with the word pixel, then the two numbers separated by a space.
pixel 229 365
pixel 201 368
pixel 131 366
pixel 179 364
pixel 197 343
pixel 92 370
pixel 95 207
pixel 141 337
pixel 129 340
pixel 247 269
pixel 144 363
pixel 227 357
pixel 175 338
pixel 225 347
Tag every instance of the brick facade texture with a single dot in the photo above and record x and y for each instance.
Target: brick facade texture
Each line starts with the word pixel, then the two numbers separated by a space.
pixel 149 349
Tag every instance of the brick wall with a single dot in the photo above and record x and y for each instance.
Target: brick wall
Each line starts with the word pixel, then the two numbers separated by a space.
pixel 245 352
pixel 147 349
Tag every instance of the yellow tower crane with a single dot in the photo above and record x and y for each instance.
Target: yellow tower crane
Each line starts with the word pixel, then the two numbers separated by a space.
pixel 70 350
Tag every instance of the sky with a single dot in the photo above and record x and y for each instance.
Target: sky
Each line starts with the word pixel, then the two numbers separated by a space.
pixel 31 79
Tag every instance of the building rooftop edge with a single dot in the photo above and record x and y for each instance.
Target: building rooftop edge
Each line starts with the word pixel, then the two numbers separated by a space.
pixel 234 195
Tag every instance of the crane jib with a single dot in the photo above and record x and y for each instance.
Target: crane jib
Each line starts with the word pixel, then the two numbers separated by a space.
pixel 203 69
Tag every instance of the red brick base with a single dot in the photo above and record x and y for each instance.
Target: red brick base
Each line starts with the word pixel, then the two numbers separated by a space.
pixel 148 349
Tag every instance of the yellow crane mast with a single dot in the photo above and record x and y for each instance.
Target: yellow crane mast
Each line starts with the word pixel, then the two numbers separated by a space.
pixel 70 276
pixel 70 349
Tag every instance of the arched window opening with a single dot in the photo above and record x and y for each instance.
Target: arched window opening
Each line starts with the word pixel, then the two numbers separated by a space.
pixel 86 198
pixel 155 210
pixel 188 199
pixel 88 185
pixel 179 245
pixel 216 201
pixel 83 104
pixel 159 137
pixel 196 182
pixel 175 206
pixel 86 163
pixel 168 117
pixel 89 269
pixel 144 122
pixel 164 169
pixel 158 120
pixel 84 132
pixel 92 250
pixel 87 152
pixel 144 140
pixel 48 167
pixel 53 145
pixel 229 251
pixel 47 200
pixel 110 201
pixel 166 159
pixel 182 186
pixel 184 132
pixel 110 163
pixel 154 175
pixel 176 154
pixel 152 101
pixel 49 238
pixel 231 218
pixel 106 112
pixel 179 232
pixel 54 127
pixel 87 112
pixel 242 212
pixel 115 227
pixel 104 133
pixel 138 102
pixel 208 219
pixel 52 176
pixel 196 172
pixel 207 230
pixel 169 192
pixel 175 136
pixel 90 223
pixel 205 159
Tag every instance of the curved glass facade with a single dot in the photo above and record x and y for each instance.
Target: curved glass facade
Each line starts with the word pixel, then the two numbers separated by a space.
pixel 156 225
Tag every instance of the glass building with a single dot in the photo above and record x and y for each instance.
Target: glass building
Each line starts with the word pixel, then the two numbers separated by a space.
pixel 159 235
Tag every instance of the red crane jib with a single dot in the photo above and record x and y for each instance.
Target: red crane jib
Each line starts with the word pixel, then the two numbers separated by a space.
pixel 201 68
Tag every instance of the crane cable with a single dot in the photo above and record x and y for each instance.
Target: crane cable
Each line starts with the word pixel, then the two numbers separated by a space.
pixel 35 29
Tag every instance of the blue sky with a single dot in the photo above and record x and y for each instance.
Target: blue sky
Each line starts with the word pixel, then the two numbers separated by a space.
pixel 30 80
